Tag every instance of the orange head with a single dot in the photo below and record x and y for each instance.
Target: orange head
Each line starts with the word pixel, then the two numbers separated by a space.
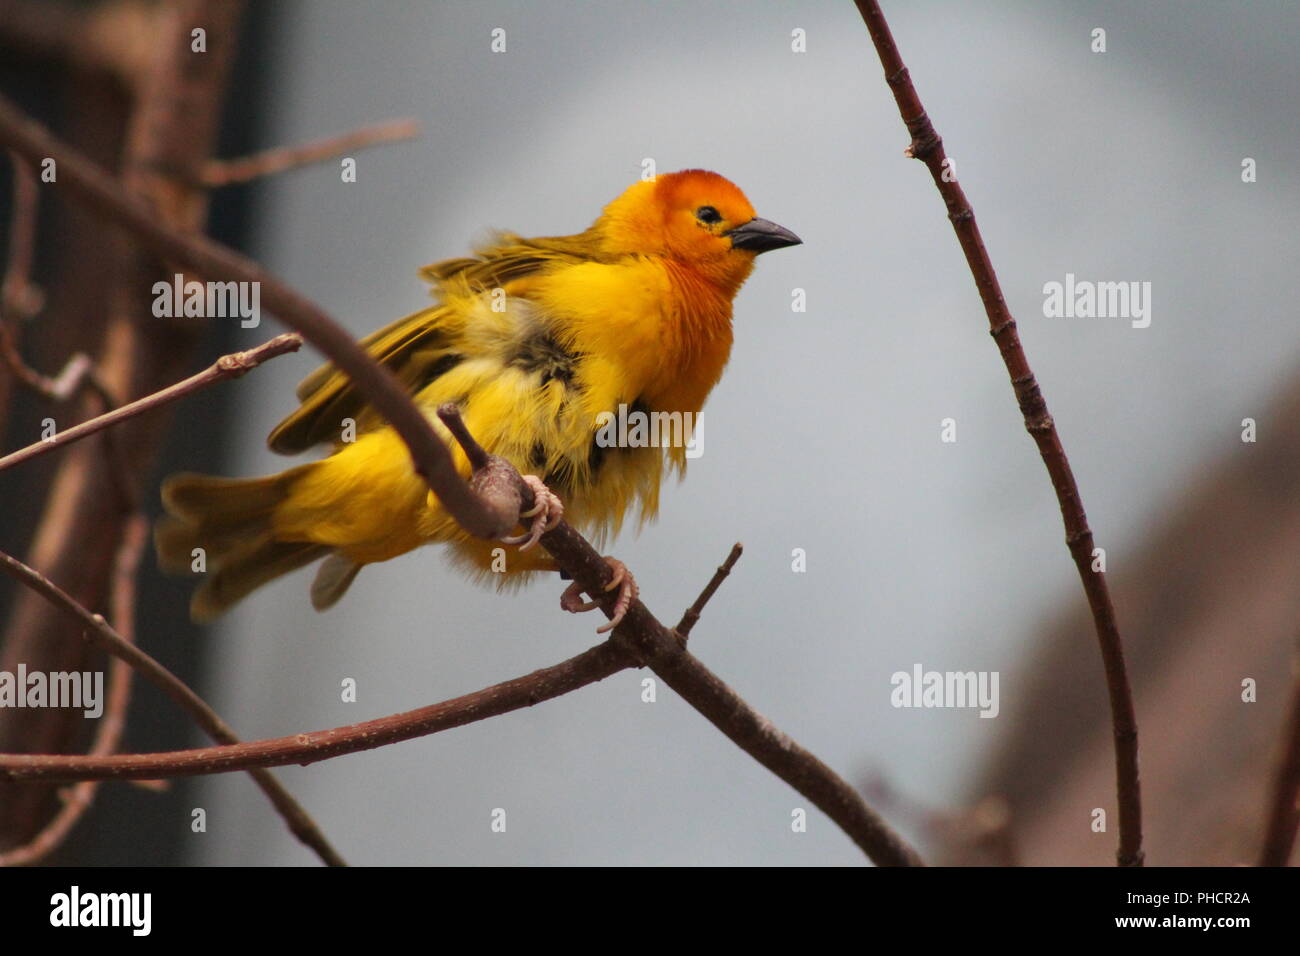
pixel 695 218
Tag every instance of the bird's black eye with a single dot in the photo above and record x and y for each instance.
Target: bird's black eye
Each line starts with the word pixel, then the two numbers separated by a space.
pixel 708 214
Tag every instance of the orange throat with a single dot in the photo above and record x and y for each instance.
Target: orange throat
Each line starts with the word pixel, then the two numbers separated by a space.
pixel 697 339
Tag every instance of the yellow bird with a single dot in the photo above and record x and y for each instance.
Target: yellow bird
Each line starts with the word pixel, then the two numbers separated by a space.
pixel 542 343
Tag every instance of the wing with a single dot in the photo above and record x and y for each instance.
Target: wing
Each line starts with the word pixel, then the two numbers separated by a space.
pixel 416 348
pixel 420 347
pixel 509 257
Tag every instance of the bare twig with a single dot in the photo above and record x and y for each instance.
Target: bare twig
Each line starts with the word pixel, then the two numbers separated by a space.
pixel 101 634
pixel 228 366
pixel 640 633
pixel 493 480
pixel 591 666
pixel 225 172
pixel 77 800
pixel 19 300
pixel 77 375
pixel 683 628
pixel 78 372
pixel 1284 807
pixel 928 147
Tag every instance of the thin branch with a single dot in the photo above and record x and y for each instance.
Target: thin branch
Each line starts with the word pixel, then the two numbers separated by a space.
pixel 683 628
pixel 640 634
pixel 225 172
pixel 493 480
pixel 78 374
pixel 228 366
pixel 1284 806
pixel 101 634
pixel 928 147
pixel 19 299
pixel 590 666
pixel 77 800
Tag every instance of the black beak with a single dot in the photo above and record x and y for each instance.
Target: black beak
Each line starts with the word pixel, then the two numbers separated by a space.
pixel 759 235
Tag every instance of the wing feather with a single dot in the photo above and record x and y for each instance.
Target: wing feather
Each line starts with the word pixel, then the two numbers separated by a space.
pixel 412 347
pixel 422 346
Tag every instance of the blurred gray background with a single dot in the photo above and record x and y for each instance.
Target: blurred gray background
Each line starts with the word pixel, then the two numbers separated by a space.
pixel 824 433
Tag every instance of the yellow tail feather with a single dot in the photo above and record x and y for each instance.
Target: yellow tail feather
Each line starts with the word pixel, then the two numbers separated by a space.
pixel 221 528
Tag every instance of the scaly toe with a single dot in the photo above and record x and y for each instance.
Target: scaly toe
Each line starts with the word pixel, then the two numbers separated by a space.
pixel 627 593
pixel 571 600
pixel 620 578
pixel 547 512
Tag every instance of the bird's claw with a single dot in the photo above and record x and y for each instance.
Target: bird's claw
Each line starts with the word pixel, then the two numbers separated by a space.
pixel 571 600
pixel 547 512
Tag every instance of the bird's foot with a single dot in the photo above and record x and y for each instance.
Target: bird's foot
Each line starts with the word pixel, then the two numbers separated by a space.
pixel 571 600
pixel 547 512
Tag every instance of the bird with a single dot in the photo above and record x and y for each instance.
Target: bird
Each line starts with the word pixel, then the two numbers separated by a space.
pixel 538 341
